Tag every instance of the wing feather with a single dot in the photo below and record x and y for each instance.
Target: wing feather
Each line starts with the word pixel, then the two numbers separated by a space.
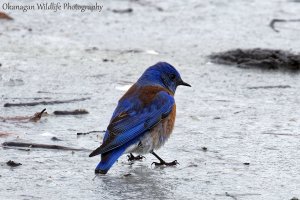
pixel 135 122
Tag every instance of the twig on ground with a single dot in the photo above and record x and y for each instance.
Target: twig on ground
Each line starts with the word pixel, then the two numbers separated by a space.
pixel 5 16
pixel 42 146
pixel 273 21
pixel 122 11
pixel 45 102
pixel 73 112
pixel 149 4
pixel 37 116
pixel 270 87
pixel 86 133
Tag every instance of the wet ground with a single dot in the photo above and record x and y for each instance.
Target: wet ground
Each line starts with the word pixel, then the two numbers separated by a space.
pixel 251 135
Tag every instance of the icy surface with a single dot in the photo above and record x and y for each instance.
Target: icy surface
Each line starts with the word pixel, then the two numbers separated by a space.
pixel 65 55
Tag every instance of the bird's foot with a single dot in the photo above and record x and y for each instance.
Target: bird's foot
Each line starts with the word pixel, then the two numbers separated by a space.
pixel 131 157
pixel 161 163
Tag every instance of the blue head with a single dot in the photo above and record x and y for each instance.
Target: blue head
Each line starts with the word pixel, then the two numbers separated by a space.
pixel 162 74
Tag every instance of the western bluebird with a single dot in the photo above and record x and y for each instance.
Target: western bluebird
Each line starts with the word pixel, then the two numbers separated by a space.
pixel 144 118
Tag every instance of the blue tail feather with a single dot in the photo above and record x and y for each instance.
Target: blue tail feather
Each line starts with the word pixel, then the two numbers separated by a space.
pixel 108 159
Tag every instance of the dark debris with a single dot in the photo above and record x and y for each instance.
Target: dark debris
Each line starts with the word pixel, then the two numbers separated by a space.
pixel 204 149
pixel 107 60
pixel 13 163
pixel 92 49
pixel 122 11
pixel 267 59
pixel 126 175
pixel 55 139
pixel 294 198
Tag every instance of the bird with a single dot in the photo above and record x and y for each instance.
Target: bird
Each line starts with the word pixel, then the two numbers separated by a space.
pixel 143 119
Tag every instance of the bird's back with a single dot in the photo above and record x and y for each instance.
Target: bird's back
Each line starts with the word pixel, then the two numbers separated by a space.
pixel 158 134
pixel 137 98
pixel 138 111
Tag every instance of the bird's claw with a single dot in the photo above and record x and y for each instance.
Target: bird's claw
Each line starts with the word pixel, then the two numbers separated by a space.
pixel 175 162
pixel 132 157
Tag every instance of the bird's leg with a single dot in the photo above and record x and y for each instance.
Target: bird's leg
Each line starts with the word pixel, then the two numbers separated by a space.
pixel 131 157
pixel 162 162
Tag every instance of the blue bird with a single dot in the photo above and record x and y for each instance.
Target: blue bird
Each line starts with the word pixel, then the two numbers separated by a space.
pixel 144 118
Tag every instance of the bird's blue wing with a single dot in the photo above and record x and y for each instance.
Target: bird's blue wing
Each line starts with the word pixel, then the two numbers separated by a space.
pixel 135 121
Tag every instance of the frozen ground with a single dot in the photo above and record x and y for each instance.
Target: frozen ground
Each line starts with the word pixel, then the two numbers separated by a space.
pixel 53 53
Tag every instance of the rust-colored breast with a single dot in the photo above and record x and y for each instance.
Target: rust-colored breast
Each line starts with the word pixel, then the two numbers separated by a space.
pixel 147 93
pixel 162 131
pixel 170 121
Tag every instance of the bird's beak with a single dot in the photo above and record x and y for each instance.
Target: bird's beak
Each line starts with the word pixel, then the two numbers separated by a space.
pixel 181 82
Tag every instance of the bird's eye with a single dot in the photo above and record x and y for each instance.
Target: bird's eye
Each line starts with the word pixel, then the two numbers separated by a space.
pixel 172 76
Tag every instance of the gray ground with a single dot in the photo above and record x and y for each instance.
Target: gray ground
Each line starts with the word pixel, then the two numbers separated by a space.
pixel 237 124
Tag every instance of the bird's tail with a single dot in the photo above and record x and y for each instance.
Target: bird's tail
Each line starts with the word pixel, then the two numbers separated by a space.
pixel 108 159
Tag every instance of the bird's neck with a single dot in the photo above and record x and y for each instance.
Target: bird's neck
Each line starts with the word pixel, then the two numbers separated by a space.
pixel 155 86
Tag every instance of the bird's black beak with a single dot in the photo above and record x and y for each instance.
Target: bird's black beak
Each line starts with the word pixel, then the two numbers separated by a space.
pixel 181 82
